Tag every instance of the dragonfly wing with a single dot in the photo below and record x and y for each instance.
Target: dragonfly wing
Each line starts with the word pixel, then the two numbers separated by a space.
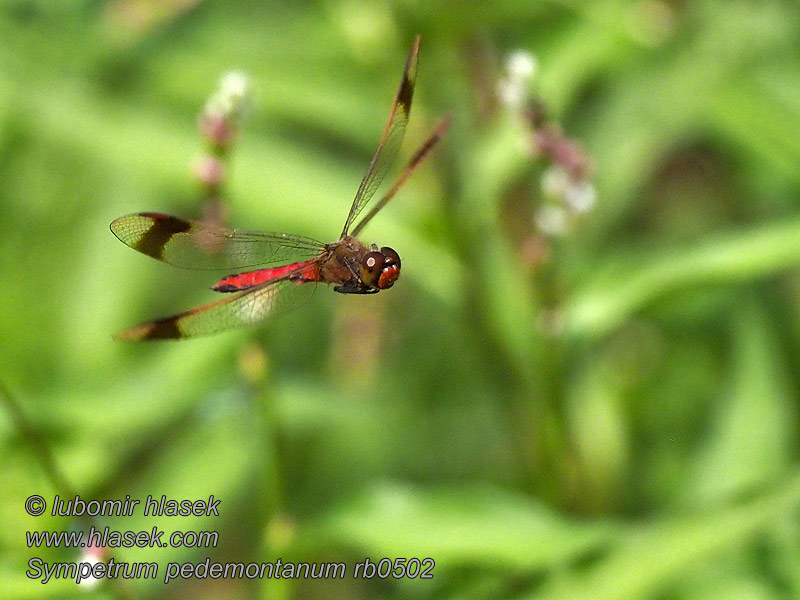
pixel 416 160
pixel 238 310
pixel 390 140
pixel 198 245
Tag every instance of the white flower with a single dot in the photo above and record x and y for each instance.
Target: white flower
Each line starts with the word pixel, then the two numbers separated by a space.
pixel 521 65
pixel 552 220
pixel 513 88
pixel 232 96
pixel 555 182
pixel 235 85
pixel 581 196
pixel 91 555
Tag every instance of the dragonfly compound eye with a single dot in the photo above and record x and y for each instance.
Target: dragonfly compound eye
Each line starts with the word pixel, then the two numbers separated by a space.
pixel 371 267
pixel 391 268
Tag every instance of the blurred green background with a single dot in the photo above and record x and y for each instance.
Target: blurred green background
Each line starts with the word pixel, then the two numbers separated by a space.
pixel 609 412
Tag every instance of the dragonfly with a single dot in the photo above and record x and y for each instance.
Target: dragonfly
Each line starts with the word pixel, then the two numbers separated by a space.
pixel 285 262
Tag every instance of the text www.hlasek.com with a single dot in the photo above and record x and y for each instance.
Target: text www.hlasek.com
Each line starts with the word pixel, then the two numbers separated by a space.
pixel 109 538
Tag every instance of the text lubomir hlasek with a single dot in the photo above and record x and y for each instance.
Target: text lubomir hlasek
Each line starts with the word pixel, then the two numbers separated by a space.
pixel 152 507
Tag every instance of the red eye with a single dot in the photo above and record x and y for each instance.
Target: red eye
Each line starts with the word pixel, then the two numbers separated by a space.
pixel 391 269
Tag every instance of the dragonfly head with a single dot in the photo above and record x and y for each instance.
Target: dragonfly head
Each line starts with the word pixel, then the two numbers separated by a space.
pixel 380 269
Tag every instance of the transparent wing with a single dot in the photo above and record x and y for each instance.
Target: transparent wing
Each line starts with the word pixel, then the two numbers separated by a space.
pixel 198 245
pixel 416 160
pixel 241 309
pixel 390 140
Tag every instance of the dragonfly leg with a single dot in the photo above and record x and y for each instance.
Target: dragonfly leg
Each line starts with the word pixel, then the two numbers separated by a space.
pixel 355 287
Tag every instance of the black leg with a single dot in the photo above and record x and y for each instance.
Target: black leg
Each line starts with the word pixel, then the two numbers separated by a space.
pixel 355 287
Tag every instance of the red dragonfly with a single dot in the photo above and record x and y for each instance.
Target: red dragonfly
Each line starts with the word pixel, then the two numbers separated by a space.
pixel 349 264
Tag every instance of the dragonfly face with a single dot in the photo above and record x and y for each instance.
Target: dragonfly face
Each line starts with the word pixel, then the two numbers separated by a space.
pixel 288 261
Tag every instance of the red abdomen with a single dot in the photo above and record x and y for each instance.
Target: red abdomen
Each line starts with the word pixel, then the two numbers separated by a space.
pixel 299 272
